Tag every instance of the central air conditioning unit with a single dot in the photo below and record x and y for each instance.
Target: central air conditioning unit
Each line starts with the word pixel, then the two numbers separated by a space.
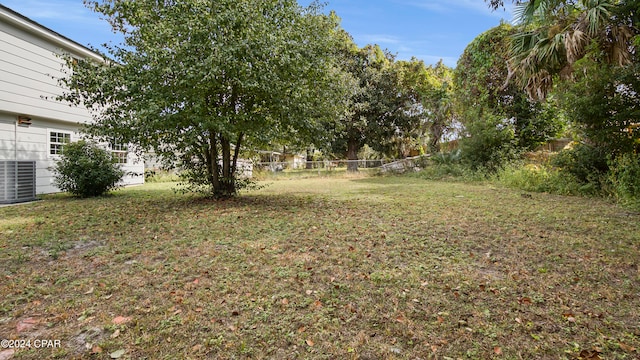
pixel 17 181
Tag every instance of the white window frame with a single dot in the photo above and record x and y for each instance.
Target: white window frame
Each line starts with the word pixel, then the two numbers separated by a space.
pixel 120 152
pixel 59 145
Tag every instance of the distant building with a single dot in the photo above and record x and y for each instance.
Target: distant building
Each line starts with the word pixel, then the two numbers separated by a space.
pixel 34 127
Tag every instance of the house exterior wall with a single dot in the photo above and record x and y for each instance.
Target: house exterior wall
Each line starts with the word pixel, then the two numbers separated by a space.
pixel 29 66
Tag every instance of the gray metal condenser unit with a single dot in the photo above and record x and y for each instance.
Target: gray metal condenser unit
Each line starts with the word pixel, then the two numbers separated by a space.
pixel 17 181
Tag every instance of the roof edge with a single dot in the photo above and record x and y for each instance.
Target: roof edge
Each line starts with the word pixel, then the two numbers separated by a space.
pixel 38 29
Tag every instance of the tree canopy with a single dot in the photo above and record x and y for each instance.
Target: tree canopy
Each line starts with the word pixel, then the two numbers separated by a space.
pixel 498 113
pixel 197 80
pixel 554 34
pixel 378 108
pixel 431 90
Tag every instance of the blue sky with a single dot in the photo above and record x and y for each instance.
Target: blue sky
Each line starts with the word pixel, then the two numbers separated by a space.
pixel 427 29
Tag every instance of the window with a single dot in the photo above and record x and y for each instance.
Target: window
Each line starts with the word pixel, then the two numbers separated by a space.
pixel 57 140
pixel 119 152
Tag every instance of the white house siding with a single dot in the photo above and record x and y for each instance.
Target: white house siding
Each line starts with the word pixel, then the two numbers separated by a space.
pixel 28 87
pixel 29 67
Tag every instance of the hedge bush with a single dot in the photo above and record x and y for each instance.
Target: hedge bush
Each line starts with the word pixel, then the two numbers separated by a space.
pixel 86 170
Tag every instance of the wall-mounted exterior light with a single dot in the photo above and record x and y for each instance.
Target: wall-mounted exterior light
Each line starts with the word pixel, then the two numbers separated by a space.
pixel 24 121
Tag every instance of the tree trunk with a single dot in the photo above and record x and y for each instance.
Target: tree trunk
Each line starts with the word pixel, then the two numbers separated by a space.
pixel 352 154
pixel 309 164
pixel 227 180
pixel 436 131
pixel 213 169
pixel 236 153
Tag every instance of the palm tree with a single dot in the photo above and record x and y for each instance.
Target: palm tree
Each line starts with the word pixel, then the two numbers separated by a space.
pixel 557 33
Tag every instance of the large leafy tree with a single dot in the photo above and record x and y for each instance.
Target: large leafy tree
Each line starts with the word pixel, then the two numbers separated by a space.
pixel 198 80
pixel 431 89
pixel 490 107
pixel 378 109
pixel 603 102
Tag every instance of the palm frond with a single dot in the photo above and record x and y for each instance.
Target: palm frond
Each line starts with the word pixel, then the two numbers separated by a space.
pixel 597 14
pixel 575 44
pixel 524 13
pixel 617 45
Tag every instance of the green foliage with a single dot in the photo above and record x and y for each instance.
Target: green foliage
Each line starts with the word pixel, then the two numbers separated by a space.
pixel 448 165
pixel 587 164
pixel 378 107
pixel 539 178
pixel 489 105
pixel 86 170
pixel 553 35
pixel 432 88
pixel 582 173
pixel 490 146
pixel 624 178
pixel 195 81
pixel 160 176
pixel 447 158
pixel 602 103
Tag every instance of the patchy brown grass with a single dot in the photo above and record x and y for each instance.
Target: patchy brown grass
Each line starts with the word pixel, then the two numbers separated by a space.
pixel 370 268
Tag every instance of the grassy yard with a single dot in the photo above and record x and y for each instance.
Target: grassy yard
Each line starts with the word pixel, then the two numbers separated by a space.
pixel 334 268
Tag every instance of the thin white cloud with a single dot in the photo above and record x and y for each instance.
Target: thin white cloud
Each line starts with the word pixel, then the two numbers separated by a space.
pixel 378 39
pixel 451 6
pixel 52 10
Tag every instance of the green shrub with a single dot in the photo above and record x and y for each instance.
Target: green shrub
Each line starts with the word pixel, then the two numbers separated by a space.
pixel 539 178
pixel 447 165
pixel 589 166
pixel 160 176
pixel 624 178
pixel 86 170
pixel 491 146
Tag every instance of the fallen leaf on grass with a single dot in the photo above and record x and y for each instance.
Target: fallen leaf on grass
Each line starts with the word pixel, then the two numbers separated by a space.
pixel 26 324
pixel 310 342
pixel 285 301
pixel 7 354
pixel 119 320
pixel 626 347
pixel 497 350
pixel 590 355
pixel 525 301
pixel 96 349
pixel 117 354
pixel 115 334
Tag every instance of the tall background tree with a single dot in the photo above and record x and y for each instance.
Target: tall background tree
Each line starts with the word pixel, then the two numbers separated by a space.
pixel 501 120
pixel 431 90
pixel 378 108
pixel 195 81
